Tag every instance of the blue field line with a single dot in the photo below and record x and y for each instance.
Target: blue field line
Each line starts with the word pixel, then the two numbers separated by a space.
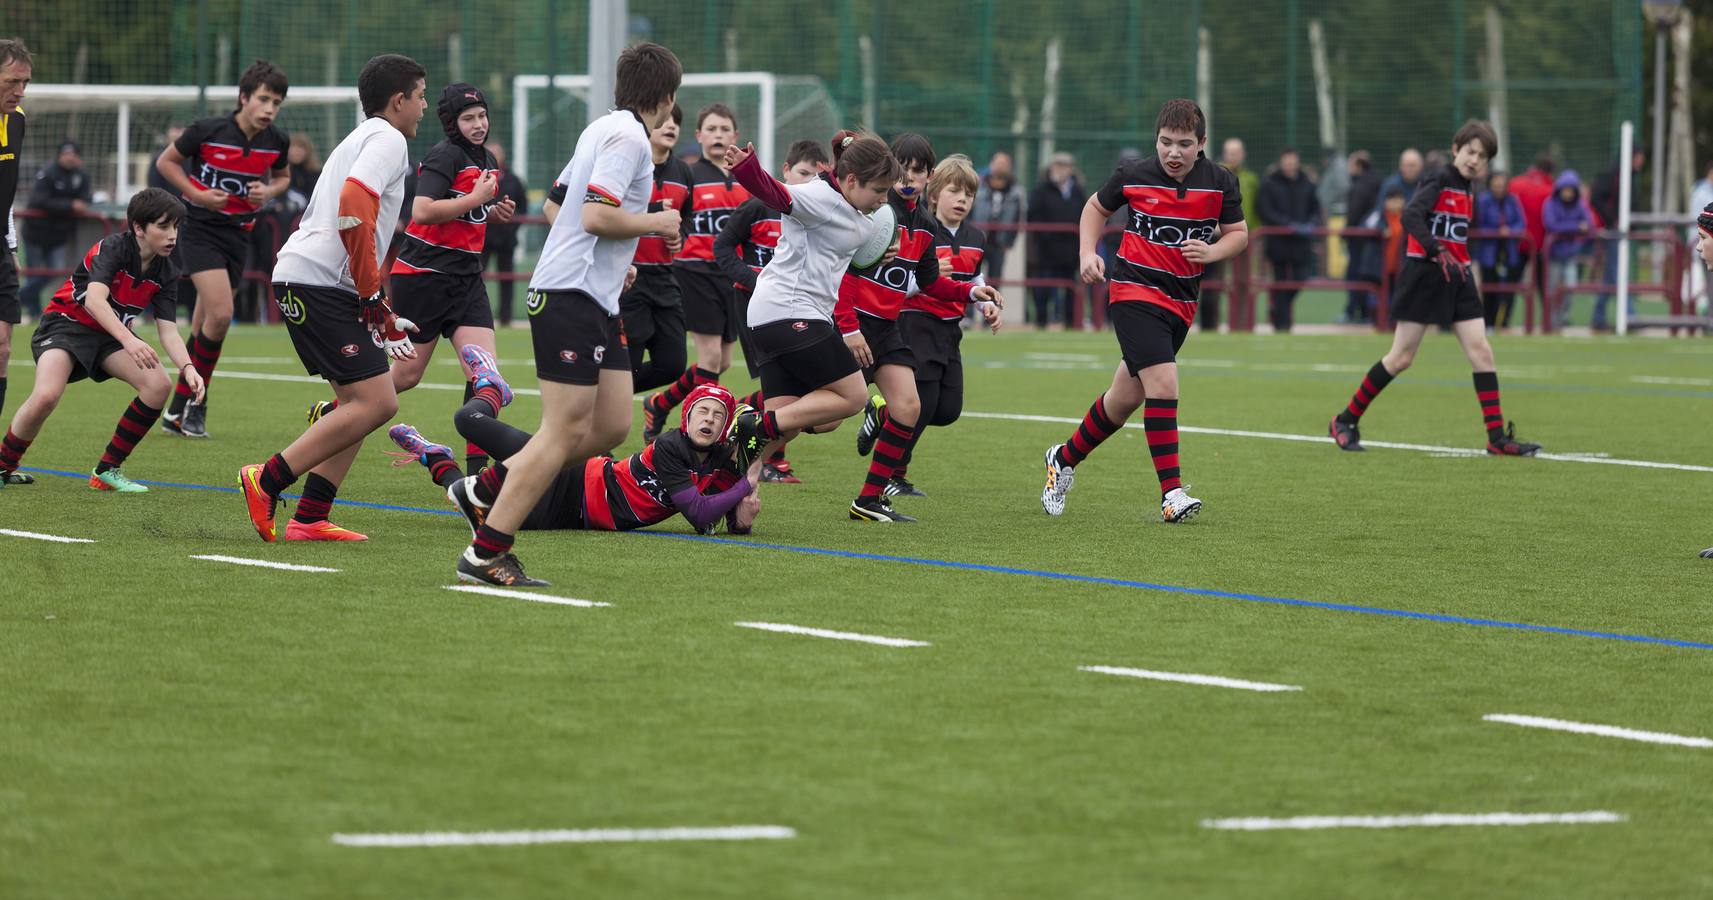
pixel 1051 576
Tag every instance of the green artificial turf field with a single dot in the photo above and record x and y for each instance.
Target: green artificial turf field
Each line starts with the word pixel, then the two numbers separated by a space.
pixel 181 728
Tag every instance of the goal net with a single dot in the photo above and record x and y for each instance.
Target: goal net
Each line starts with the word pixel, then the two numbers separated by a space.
pixel 773 110
pixel 122 128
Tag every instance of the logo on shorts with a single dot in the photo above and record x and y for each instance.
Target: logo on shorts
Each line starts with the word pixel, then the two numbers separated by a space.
pixel 349 349
pixel 600 353
pixel 292 308
pixel 799 326
pixel 569 356
pixel 535 302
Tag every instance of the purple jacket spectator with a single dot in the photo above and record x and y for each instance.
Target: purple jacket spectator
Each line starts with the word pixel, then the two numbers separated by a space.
pixel 1564 218
pixel 1492 214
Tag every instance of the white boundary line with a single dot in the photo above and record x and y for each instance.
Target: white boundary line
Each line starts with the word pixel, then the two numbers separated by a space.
pixel 38 536
pixel 833 635
pixel 261 563
pixel 1305 823
pixel 523 595
pixel 1209 680
pixel 1389 445
pixel 1611 731
pixel 566 836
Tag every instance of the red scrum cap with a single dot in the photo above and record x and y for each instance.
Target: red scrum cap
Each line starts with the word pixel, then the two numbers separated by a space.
pixel 704 392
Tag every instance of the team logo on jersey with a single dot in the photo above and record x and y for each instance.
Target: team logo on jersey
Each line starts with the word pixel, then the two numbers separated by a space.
pixel 535 302
pixel 569 356
pixel 291 308
pixel 349 349
pixel 799 326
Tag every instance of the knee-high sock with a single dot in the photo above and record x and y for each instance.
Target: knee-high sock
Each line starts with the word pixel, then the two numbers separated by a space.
pixel 276 475
pixel 1097 426
pixel 317 499
pixel 1372 384
pixel 2 390
pixel 476 423
pixel 12 451
pixel 134 425
pixel 204 354
pixel 888 454
pixel 1160 423
pixel 1487 391
pixel 678 390
pixel 929 393
pixel 475 458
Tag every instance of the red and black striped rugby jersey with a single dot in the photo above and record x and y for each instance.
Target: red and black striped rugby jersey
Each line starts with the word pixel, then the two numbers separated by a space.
pixel 965 248
pixel 635 492
pixel 1438 216
pixel 453 247
pixel 219 156
pixel 116 262
pixel 1164 213
pixel 671 182
pixel 880 291
pixel 714 196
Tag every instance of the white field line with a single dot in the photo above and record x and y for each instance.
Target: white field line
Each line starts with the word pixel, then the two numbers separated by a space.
pixel 38 536
pixel 832 635
pixel 1681 382
pixel 1182 678
pixel 1303 823
pixel 566 836
pixel 523 595
pixel 262 563
pixel 1389 445
pixel 1612 731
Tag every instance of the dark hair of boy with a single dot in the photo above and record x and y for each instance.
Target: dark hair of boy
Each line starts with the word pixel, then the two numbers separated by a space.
pixel 384 77
pixel 1476 130
pixel 716 109
pixel 806 151
pixel 647 75
pixel 153 206
pixel 865 156
pixel 677 114
pixel 262 74
pixel 913 151
pixel 13 50
pixel 1182 115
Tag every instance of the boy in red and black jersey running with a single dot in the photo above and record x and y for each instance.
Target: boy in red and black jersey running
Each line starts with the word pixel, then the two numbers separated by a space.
pixel 1435 288
pixel 652 307
pixel 709 298
pixel 327 284
pixel 745 247
pixel 437 277
pixel 867 315
pixel 86 332
pixel 932 328
pixel 1184 213
pixel 689 471
pixel 228 169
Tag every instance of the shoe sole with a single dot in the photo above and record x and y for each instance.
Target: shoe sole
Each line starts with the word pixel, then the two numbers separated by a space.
pixel 468 578
pixel 103 486
pixel 862 515
pixel 1185 515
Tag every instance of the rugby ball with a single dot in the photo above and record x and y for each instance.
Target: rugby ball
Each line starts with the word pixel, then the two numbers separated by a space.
pixel 882 228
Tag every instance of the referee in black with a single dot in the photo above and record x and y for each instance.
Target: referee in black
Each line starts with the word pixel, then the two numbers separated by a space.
pixel 14 77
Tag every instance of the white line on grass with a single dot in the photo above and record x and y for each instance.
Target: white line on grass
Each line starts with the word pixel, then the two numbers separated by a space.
pixel 38 536
pixel 262 563
pixel 1612 731
pixel 523 595
pixel 1209 680
pixel 833 635
pixel 1321 438
pixel 566 836
pixel 1304 823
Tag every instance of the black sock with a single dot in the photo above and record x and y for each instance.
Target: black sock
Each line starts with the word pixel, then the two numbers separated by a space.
pixel 276 476
pixel 2 390
pixel 317 500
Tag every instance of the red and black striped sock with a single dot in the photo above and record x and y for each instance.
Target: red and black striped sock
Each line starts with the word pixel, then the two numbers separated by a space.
pixel 276 476
pixel 12 450
pixel 444 470
pixel 134 425
pixel 770 425
pixel 491 543
pixel 1097 426
pixel 1372 384
pixel 1487 391
pixel 888 454
pixel 204 354
pixel 1160 423
pixel 489 395
pixel 488 484
pixel 754 399
pixel 678 390
pixel 181 392
pixel 475 458
pixel 317 500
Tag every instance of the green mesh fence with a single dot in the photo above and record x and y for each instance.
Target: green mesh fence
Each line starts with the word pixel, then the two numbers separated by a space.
pixel 1084 76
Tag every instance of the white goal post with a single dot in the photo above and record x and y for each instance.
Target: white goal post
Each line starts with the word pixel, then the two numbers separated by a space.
pixel 105 117
pixel 809 112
